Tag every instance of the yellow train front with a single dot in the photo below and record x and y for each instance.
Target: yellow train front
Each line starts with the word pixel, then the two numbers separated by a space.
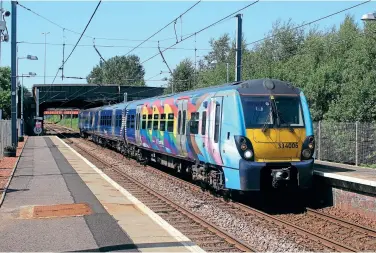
pixel 278 143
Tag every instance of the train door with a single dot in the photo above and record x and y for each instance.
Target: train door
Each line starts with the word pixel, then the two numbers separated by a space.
pixel 113 122
pixel 182 123
pixel 124 123
pixel 214 134
pixel 95 121
pixel 138 124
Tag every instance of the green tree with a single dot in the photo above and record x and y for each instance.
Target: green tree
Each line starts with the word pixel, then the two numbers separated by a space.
pixel 5 102
pixel 122 70
pixel 183 77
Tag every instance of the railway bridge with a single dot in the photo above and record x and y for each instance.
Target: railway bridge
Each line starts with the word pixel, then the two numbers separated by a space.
pixel 81 96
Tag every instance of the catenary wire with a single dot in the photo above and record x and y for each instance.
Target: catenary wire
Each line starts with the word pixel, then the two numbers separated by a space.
pixel 203 29
pixel 173 21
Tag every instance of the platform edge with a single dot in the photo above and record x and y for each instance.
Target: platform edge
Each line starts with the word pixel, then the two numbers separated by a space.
pixel 155 217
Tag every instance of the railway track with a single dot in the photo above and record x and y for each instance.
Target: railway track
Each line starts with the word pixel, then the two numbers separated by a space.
pixel 206 235
pixel 334 233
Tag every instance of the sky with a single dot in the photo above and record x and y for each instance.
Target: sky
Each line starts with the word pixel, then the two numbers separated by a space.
pixel 124 23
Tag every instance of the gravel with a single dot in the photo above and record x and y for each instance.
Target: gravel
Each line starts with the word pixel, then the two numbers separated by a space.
pixel 257 232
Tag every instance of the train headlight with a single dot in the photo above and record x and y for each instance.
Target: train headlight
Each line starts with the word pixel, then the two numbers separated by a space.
pixel 248 154
pixel 306 153
pixel 311 145
pixel 244 147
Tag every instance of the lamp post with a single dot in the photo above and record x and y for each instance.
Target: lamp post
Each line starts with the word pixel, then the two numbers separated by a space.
pixel 369 17
pixel 31 74
pixel 214 63
pixel 45 54
pixel 28 57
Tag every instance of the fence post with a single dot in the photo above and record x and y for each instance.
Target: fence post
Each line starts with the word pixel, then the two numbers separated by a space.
pixel 356 142
pixel 319 153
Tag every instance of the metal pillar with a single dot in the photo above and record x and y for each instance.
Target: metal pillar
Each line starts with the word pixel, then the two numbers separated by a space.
pixel 22 98
pixel 125 97
pixel 71 119
pixel 37 102
pixel 238 67
pixel 14 74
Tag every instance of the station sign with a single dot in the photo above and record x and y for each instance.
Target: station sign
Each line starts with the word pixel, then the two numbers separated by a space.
pixel 38 128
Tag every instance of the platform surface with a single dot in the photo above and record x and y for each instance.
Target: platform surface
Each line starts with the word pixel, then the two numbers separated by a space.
pixel 59 201
pixel 348 173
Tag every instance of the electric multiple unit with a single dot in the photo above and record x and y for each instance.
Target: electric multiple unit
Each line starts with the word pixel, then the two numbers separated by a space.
pixel 247 136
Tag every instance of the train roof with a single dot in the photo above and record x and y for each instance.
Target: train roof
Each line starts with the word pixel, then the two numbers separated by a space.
pixel 260 86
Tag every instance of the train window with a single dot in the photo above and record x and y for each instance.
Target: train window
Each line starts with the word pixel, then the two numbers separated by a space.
pixel 132 121
pixel 170 122
pixel 118 120
pixel 194 122
pixel 128 120
pixel 216 124
pixel 155 125
pixel 203 123
pixel 183 126
pixel 162 125
pixel 156 116
pixel 150 117
pixel 170 126
pixel 179 121
pixel 143 124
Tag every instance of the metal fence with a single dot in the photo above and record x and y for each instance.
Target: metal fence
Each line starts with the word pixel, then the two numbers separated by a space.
pixel 349 143
pixel 5 135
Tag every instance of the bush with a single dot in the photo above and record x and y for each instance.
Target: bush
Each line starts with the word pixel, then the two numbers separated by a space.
pixel 10 149
pixel 20 139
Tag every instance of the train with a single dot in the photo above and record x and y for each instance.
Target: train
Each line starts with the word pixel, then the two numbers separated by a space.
pixel 245 136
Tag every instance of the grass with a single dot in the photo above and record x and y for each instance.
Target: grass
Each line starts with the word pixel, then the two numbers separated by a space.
pixel 66 122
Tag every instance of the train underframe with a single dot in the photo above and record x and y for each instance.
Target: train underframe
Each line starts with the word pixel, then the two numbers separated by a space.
pixel 209 176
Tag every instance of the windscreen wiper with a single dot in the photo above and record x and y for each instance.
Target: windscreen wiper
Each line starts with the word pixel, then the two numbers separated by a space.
pixel 266 125
pixel 285 122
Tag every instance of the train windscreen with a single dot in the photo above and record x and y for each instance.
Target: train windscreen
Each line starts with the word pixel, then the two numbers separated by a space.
pixel 261 111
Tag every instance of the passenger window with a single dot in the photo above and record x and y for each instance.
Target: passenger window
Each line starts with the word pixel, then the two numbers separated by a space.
pixel 170 123
pixel 179 121
pixel 143 124
pixel 194 122
pixel 162 124
pixel 132 121
pixel 203 123
pixel 128 121
pixel 150 118
pixel 184 116
pixel 155 122
pixel 217 120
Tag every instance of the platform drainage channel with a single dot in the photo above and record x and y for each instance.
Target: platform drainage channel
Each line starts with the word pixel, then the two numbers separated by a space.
pixel 55 211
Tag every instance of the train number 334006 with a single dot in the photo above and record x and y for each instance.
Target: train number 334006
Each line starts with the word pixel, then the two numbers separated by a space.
pixel 288 145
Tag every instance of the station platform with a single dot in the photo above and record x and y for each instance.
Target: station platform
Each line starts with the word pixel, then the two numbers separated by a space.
pixel 347 187
pixel 347 176
pixel 59 201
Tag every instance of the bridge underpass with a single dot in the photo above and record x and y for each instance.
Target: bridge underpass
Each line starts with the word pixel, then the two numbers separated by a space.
pixel 83 96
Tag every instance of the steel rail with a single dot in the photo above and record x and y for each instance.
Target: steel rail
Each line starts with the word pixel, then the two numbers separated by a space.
pixel 242 246
pixel 301 231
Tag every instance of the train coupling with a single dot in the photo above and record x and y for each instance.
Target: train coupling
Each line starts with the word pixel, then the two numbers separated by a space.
pixel 279 175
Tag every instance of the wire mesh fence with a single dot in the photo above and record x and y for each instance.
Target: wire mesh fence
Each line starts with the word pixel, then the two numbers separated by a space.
pixel 5 135
pixel 348 143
